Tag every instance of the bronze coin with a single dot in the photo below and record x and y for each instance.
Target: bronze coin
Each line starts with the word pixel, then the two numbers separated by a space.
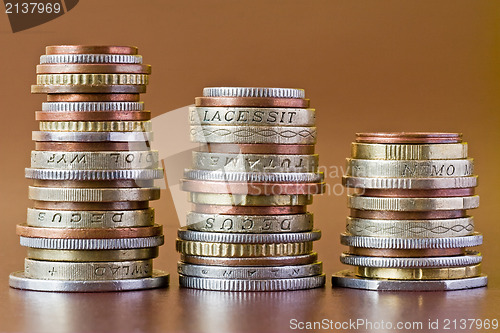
pixel 117 205
pixel 266 261
pixel 409 137
pixel 90 49
pixel 93 97
pixel 261 148
pixel 90 233
pixel 91 146
pixel 88 89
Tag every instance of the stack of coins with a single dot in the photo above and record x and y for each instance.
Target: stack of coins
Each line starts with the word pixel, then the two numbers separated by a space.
pixel 250 186
pixel 408 228
pixel 91 228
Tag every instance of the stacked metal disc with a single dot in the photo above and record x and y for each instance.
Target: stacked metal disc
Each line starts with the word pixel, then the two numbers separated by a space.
pixel 409 228
pixel 91 228
pixel 250 184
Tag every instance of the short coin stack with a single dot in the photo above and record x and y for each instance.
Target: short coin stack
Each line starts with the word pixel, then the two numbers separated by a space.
pixel 91 228
pixel 408 228
pixel 250 185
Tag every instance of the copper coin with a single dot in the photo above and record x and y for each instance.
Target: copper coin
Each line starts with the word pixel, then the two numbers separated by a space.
pixel 93 68
pixel 251 188
pixel 92 183
pixel 91 146
pixel 406 253
pixel 263 102
pixel 93 97
pixel 266 261
pixel 425 215
pixel 404 193
pixel 93 116
pixel 261 148
pixel 91 233
pixel 409 137
pixel 90 49
pixel 245 210
pixel 88 89
pixel 117 205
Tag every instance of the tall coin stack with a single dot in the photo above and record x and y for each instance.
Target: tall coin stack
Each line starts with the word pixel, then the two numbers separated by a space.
pixel 408 228
pixel 91 228
pixel 250 185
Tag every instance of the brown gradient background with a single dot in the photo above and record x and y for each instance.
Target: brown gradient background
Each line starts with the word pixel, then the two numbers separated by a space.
pixel 366 66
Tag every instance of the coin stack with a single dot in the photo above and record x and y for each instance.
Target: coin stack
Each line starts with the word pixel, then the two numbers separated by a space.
pixel 250 184
pixel 408 228
pixel 91 228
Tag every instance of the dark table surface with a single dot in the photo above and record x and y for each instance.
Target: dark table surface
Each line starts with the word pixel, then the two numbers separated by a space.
pixel 185 310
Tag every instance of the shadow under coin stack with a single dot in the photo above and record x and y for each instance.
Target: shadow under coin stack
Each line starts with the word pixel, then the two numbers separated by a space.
pixel 250 185
pixel 408 228
pixel 91 228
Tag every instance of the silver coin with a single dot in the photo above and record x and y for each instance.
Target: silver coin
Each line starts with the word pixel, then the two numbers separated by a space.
pixel 90 59
pixel 254 162
pixel 86 160
pixel 61 174
pixel 410 228
pixel 252 285
pixel 91 244
pixel 253 92
pixel 250 272
pixel 470 258
pixel 250 200
pixel 412 204
pixel 249 223
pixel 19 281
pixel 347 279
pixel 253 134
pixel 255 177
pixel 236 238
pixel 91 106
pixel 80 219
pixel 412 243
pixel 93 194
pixel 410 168
pixel 87 271
pixel 249 116
pixel 92 136
pixel 410 183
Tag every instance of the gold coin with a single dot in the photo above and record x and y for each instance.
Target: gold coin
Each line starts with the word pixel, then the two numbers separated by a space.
pixel 229 250
pixel 92 79
pixel 374 151
pixel 448 273
pixel 92 255
pixel 96 126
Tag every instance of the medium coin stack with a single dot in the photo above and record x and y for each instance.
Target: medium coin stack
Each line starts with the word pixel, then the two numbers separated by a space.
pixel 91 228
pixel 408 228
pixel 250 185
